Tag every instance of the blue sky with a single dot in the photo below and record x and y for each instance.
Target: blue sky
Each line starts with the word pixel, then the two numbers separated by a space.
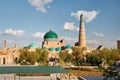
pixel 26 21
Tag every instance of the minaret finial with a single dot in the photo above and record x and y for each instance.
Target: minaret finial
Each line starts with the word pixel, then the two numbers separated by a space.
pixel 81 17
pixel 50 29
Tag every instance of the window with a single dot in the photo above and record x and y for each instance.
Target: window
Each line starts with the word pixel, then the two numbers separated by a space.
pixel 4 60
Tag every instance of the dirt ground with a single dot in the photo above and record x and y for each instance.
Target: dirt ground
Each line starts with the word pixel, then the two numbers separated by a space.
pixel 85 72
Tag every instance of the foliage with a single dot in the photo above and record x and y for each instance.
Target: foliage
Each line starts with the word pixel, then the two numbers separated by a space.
pixel 93 59
pixel 27 58
pixel 108 55
pixel 31 57
pixel 78 55
pixel 43 55
pixel 64 56
pixel 110 73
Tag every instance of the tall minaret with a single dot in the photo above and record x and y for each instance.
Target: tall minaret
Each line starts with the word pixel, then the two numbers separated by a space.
pixel 5 44
pixel 82 36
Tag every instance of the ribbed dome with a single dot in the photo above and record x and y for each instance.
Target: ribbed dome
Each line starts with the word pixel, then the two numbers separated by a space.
pixel 52 49
pixel 50 34
pixel 58 49
pixel 68 46
pixel 33 45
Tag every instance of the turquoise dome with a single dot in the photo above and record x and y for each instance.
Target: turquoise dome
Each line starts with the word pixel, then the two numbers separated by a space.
pixel 33 45
pixel 52 49
pixel 68 46
pixel 58 49
pixel 50 35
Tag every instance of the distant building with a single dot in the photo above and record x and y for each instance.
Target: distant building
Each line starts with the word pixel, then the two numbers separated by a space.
pixel 118 44
pixel 51 41
pixel 53 45
pixel 9 56
pixel 33 46
pixel 100 47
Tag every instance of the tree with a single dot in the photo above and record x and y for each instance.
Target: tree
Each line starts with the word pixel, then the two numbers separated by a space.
pixel 27 58
pixel 65 57
pixel 31 57
pixel 78 55
pixel 42 57
pixel 108 55
pixel 110 73
pixel 93 59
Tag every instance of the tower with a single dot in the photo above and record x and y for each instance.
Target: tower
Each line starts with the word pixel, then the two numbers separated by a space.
pixel 82 36
pixel 5 44
pixel 118 44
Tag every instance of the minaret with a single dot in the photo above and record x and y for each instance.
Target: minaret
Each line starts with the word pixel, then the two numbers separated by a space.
pixel 82 36
pixel 5 44
pixel 15 46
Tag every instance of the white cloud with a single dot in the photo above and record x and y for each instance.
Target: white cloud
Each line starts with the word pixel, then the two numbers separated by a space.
pixel 88 15
pixel 38 35
pixel 13 32
pixel 104 43
pixel 68 38
pixel 39 4
pixel 98 34
pixel 110 44
pixel 70 26
pixel 92 41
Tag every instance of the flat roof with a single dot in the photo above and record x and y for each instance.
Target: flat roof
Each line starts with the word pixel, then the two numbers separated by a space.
pixel 31 69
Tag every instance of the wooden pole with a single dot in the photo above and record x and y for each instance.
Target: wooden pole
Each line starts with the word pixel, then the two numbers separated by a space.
pixel 14 77
pixel 19 76
pixel 60 77
pixel 56 76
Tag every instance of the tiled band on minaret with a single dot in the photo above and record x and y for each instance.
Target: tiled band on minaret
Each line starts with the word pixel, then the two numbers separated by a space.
pixel 82 36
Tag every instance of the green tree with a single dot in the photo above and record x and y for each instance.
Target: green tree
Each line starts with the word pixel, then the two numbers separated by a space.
pixel 110 73
pixel 31 57
pixel 108 55
pixel 27 58
pixel 93 58
pixel 78 54
pixel 68 58
pixel 43 57
pixel 65 57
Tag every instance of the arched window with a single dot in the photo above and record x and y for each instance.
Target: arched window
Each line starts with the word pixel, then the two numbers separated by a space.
pixel 16 59
pixel 4 60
